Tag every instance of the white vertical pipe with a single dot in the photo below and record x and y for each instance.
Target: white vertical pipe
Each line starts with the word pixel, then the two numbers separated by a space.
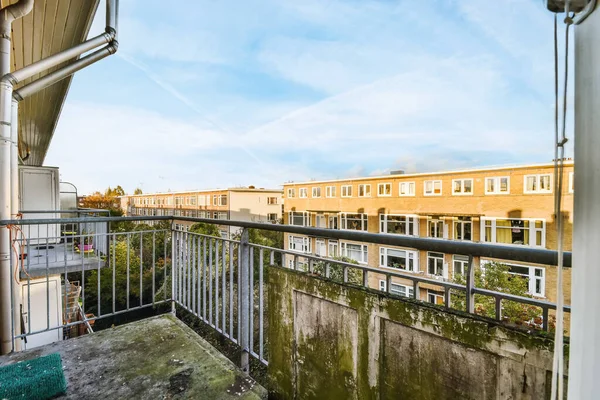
pixel 584 358
pixel 14 210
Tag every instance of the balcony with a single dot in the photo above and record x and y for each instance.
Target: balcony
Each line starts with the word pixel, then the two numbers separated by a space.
pixel 317 329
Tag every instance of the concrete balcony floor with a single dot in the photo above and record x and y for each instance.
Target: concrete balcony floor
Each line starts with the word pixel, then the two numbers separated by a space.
pixel 155 358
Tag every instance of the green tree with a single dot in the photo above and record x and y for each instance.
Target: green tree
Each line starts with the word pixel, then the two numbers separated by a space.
pixel 137 191
pixel 336 271
pixel 205 229
pixel 496 277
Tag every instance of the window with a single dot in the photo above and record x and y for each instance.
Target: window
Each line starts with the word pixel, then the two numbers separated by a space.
pixel 291 193
pixel 436 227
pixel 435 264
pixel 463 227
pixel 303 193
pixel 405 260
pixel 333 222
pixel 571 182
pixel 316 192
pixel 364 190
pixel 402 290
pixel 222 200
pixel 300 218
pixel 299 243
pixel 272 217
pixel 320 247
pixel 497 185
pixel 357 252
pixel 462 186
pixel 347 191
pixel 399 224
pixel 407 188
pixel 433 188
pixel 355 222
pixel 535 277
pixel 461 264
pixel 537 184
pixel 526 232
pixel 435 297
pixel 220 215
pixel 384 189
pixel 271 200
pixel 333 248
pixel 193 200
pixel 320 221
pixel 330 191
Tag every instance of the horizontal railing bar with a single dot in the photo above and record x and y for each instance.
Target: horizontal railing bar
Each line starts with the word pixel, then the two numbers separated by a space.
pixel 519 299
pixel 77 211
pixel 504 252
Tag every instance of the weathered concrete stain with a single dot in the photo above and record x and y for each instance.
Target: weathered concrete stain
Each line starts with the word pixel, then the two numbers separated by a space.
pixel 400 348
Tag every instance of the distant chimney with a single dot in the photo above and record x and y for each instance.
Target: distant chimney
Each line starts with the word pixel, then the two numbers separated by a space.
pixel 397 172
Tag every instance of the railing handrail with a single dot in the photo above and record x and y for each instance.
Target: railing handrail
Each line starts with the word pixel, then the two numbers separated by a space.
pixel 74 211
pixel 477 249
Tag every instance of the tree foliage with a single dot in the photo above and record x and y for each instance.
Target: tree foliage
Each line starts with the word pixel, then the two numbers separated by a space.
pixel 205 229
pixel 336 271
pixel 109 200
pixel 137 191
pixel 496 277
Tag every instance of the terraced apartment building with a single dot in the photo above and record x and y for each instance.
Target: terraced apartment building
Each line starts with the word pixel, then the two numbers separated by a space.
pixel 240 204
pixel 511 206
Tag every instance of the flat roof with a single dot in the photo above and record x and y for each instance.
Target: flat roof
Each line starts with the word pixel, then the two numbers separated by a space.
pixel 449 172
pixel 238 189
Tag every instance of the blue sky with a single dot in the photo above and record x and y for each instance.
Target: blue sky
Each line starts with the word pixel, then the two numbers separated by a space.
pixel 218 93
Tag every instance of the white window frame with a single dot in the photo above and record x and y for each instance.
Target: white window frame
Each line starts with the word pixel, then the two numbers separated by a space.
pixel 364 251
pixel 537 184
pixel 344 221
pixel 532 277
pixel 305 247
pixel 410 255
pixel 532 231
pixel 220 199
pixel 410 220
pixel 303 193
pixel 305 217
pixel 316 192
pixel 462 262
pixel 330 191
pixel 443 233
pixel 272 200
pixel 571 182
pixel 333 248
pixel 366 190
pixel 435 295
pixel 406 189
pixel 320 245
pixel 434 255
pixel 386 193
pixel 394 289
pixel 346 191
pixel 456 222
pixel 291 193
pixel 320 221
pixel 433 182
pixel 462 187
pixel 497 185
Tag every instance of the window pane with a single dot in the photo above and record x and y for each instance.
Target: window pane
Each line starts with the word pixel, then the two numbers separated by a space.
pixel 545 182
pixel 468 186
pixel 504 184
pixel 457 186
pixel 531 181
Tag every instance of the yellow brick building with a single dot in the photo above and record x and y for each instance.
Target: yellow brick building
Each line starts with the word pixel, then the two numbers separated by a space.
pixel 512 206
pixel 241 204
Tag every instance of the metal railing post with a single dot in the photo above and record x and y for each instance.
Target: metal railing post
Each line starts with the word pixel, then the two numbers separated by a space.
pixel 470 296
pixel 173 258
pixel 244 310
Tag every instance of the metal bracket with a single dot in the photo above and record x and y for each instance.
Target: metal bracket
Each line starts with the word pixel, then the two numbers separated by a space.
pixel 558 6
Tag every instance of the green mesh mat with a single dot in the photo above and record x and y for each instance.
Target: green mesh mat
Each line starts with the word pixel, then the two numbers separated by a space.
pixel 40 378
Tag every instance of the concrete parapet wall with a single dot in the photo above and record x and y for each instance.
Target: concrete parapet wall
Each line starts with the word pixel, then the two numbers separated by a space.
pixel 331 341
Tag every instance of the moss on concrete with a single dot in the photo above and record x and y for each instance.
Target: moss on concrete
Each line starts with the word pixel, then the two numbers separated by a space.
pixel 329 360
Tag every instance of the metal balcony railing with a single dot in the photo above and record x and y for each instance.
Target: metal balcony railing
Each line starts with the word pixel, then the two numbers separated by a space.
pixel 220 281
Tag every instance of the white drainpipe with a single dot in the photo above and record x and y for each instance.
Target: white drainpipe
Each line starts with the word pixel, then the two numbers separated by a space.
pixel 9 134
pixel 7 16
